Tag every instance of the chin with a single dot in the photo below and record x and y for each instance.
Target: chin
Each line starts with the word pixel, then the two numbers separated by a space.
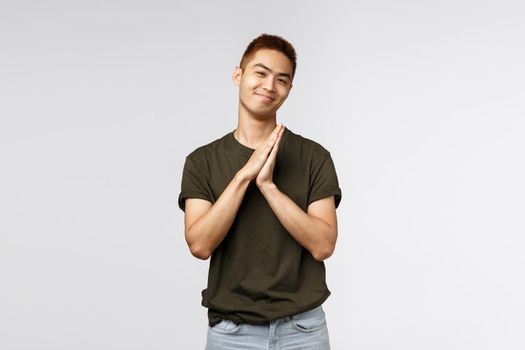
pixel 262 115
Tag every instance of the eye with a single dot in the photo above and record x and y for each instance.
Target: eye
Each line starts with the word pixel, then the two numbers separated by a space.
pixel 283 81
pixel 260 73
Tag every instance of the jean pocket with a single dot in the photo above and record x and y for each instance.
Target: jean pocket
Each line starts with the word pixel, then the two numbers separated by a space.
pixel 227 327
pixel 309 321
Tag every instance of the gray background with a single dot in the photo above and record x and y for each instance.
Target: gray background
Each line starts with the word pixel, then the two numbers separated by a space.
pixel 421 104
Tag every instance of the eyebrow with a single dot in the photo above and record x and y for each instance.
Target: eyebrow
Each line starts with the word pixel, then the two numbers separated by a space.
pixel 268 69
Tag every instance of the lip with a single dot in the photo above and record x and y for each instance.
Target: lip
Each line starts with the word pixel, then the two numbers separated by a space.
pixel 265 98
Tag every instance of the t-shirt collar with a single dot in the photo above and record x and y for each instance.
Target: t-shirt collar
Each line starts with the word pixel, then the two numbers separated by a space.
pixel 245 149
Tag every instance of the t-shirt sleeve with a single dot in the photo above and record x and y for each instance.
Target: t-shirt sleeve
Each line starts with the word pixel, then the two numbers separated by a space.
pixel 323 181
pixel 194 184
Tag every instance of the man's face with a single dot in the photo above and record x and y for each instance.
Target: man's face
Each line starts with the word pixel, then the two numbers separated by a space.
pixel 265 83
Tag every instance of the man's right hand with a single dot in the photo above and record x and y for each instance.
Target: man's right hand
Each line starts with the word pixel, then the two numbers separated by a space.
pixel 207 224
pixel 254 165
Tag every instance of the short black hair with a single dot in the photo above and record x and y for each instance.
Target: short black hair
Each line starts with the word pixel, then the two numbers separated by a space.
pixel 272 42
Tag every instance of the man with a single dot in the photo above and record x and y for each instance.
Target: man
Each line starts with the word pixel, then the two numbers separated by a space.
pixel 261 201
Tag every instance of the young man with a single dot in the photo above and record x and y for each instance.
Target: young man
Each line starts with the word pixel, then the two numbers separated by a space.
pixel 261 201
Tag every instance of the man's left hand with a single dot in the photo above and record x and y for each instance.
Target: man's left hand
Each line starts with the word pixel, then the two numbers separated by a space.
pixel 265 176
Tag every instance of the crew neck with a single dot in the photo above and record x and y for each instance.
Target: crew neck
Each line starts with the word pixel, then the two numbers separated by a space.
pixel 245 149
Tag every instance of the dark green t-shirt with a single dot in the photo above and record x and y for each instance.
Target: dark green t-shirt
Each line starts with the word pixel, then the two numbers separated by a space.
pixel 259 272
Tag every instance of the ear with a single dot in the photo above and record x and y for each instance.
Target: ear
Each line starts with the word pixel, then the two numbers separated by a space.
pixel 236 76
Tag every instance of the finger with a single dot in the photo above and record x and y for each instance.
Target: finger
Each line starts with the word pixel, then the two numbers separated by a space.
pixel 276 131
pixel 272 138
pixel 273 153
pixel 278 136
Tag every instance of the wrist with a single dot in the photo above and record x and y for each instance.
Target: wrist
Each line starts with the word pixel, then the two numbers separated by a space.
pixel 241 177
pixel 267 187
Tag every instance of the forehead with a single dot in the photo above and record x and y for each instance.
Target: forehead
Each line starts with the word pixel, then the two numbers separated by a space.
pixel 273 59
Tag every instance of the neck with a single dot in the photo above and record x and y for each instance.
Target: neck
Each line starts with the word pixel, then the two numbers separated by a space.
pixel 252 130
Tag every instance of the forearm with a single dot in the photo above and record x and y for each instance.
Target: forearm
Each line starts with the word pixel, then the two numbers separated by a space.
pixel 311 232
pixel 209 230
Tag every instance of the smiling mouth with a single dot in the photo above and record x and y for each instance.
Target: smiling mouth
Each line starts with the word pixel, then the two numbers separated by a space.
pixel 265 98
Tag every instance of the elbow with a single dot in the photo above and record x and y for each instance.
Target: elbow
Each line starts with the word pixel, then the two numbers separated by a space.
pixel 199 252
pixel 326 246
pixel 324 252
pixel 197 249
pixel 321 256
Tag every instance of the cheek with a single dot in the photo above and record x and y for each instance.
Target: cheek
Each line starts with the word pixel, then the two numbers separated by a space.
pixel 283 93
pixel 252 81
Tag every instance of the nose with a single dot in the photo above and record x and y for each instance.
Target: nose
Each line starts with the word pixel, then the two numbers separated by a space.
pixel 269 84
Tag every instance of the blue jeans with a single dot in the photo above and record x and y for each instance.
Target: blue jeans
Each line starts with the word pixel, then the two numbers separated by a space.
pixel 304 331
